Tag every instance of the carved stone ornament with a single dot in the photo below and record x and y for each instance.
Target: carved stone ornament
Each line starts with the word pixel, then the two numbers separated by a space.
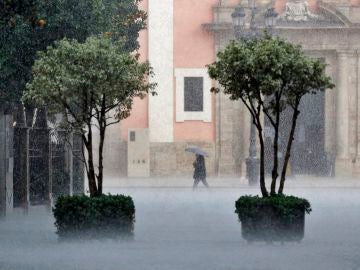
pixel 297 10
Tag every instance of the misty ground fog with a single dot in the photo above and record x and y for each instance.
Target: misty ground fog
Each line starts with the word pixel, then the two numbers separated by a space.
pixel 181 229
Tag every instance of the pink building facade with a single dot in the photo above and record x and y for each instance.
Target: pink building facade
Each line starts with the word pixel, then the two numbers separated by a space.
pixel 183 36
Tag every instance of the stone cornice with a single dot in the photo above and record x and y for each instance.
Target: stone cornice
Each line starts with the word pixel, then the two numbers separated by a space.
pixel 331 39
pixel 340 20
pixel 345 52
pixel 215 27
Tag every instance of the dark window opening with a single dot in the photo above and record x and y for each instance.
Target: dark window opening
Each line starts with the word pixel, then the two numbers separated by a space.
pixel 193 94
pixel 132 136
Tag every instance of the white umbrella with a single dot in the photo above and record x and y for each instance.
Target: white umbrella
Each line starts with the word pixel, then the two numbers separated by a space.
pixel 196 150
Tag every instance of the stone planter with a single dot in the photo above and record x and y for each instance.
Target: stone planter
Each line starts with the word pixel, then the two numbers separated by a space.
pixel 267 224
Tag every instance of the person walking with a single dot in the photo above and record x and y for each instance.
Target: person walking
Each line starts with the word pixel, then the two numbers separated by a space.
pixel 200 171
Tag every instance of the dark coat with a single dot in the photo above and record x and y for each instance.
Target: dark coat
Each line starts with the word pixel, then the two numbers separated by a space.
pixel 200 170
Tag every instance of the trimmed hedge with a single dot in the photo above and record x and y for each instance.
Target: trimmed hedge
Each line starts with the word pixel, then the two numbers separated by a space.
pixel 275 218
pixel 285 206
pixel 106 216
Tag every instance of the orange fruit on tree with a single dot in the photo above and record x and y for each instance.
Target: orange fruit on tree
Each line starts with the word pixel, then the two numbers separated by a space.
pixel 41 23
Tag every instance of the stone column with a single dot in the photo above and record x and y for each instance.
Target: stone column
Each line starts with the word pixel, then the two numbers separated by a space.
pixel 245 139
pixel 225 127
pixel 353 107
pixel 357 164
pixel 330 113
pixel 343 164
pixel 238 120
pixel 226 137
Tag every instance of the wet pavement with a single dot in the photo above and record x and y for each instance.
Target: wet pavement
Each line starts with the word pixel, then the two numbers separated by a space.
pixel 177 228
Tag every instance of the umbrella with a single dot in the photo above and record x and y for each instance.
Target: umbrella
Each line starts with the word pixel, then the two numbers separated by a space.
pixel 196 150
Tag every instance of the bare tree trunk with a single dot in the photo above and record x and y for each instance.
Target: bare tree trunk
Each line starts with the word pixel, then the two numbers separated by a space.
pixel 255 113
pixel 101 159
pixel 263 189
pixel 91 169
pixel 102 127
pixel 274 172
pixel 288 147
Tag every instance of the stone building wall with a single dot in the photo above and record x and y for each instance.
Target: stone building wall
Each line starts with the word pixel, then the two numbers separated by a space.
pixel 339 45
pixel 170 159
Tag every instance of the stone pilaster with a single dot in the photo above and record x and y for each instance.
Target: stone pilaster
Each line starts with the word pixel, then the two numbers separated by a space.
pixel 228 126
pixel 245 139
pixel 226 160
pixel 161 57
pixel 343 163
pixel 238 145
pixel 357 164
pixel 330 109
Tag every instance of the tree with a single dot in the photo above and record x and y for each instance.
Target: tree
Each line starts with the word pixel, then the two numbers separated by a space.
pixel 29 26
pixel 9 9
pixel 87 82
pixel 268 75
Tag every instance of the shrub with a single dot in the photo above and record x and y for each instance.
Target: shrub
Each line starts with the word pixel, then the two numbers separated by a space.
pixel 286 206
pixel 94 217
pixel 274 218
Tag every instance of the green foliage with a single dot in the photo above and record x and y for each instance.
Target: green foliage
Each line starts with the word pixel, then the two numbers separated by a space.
pixel 84 80
pixel 92 84
pixel 31 25
pixel 274 218
pixel 104 216
pixel 254 68
pixel 74 19
pixel 285 206
pixel 268 75
pixel 11 8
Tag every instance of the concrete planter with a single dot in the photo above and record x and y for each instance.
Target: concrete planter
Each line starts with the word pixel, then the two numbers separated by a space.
pixel 266 224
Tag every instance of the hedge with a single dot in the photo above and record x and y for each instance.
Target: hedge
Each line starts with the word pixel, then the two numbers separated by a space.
pixel 109 216
pixel 275 218
pixel 285 206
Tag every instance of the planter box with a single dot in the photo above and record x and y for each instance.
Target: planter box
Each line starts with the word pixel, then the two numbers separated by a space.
pixel 275 218
pixel 82 217
pixel 267 225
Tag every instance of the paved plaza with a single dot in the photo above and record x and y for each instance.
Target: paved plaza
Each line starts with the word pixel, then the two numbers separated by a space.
pixel 298 181
pixel 179 229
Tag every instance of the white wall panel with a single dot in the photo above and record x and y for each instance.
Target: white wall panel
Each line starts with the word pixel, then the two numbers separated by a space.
pixel 181 115
pixel 161 51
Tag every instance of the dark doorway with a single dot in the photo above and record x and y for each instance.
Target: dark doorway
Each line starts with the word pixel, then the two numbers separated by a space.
pixel 308 152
